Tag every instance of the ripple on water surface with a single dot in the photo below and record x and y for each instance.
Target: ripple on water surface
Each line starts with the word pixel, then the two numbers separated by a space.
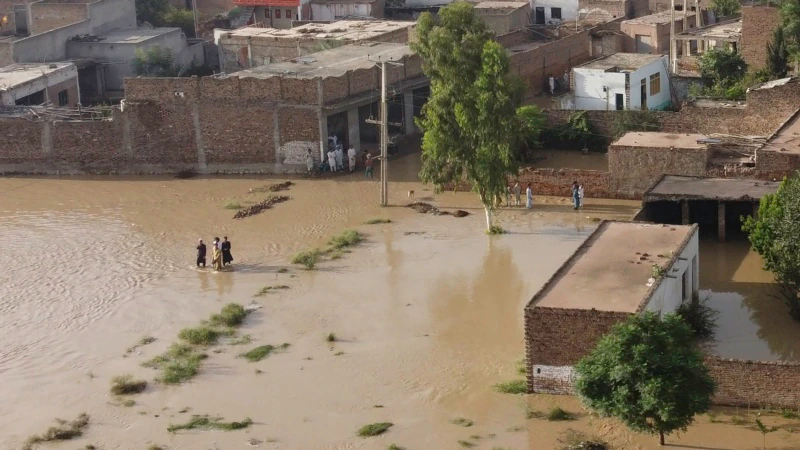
pixel 64 271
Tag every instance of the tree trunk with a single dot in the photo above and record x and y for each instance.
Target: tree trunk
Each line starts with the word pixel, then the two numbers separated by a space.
pixel 488 210
pixel 661 437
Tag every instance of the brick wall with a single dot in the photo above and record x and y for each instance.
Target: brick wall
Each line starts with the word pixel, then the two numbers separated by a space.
pixel 558 182
pixel 554 57
pixel 559 338
pixel 71 86
pixel 758 23
pixel 634 169
pixel 606 10
pixel 49 16
pixel 755 383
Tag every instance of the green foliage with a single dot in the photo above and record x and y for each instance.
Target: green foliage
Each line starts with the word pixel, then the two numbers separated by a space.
pixel 179 363
pixel 559 415
pixel 348 238
pixel 125 384
pixel 512 387
pixel 726 7
pixel 207 422
pixel 151 11
pixel 532 122
pixel 633 120
pixel 155 61
pixel 374 429
pixel 463 422
pixel 700 317
pixel 777 64
pixel 377 221
pixel 179 18
pixel 234 13
pixel 231 315
pixel 790 21
pixel 576 134
pixel 200 335
pixel 764 430
pixel 63 431
pixel 723 68
pixel 773 235
pixel 647 374
pixel 470 121
pixel 308 258
pixel 261 352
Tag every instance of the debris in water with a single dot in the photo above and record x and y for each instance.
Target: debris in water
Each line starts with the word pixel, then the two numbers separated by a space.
pixel 273 187
pixel 260 206
pixel 426 208
pixel 460 213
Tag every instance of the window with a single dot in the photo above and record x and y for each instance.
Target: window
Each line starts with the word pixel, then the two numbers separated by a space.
pixel 685 283
pixel 63 98
pixel 267 12
pixel 555 13
pixel 655 83
pixel 288 13
pixel 277 13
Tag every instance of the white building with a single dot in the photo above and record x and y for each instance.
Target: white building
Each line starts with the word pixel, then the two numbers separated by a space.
pixel 553 11
pixel 36 84
pixel 619 82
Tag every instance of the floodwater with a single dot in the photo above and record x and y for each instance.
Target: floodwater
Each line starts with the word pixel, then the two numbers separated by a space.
pixel 428 314
pixel 753 322
pixel 572 159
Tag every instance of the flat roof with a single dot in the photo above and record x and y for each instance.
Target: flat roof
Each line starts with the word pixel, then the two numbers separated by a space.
pixel 660 140
pixel 124 36
pixel 673 187
pixel 787 139
pixel 21 73
pixel 608 272
pixel 655 19
pixel 730 30
pixel 354 30
pixel 622 61
pixel 501 7
pixel 330 63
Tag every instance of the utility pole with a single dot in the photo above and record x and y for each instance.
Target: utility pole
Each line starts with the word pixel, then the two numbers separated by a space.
pixel 685 44
pixel 673 57
pixel 384 123
pixel 194 17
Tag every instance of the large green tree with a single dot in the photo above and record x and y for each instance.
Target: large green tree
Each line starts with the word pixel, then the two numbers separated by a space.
pixel 774 235
pixel 648 374
pixel 726 7
pixel 790 21
pixel 777 64
pixel 723 68
pixel 470 123
pixel 155 61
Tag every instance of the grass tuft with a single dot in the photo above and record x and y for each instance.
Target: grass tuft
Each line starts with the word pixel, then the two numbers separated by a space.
pixel 495 230
pixel 348 238
pixel 466 444
pixel 788 414
pixel 283 270
pixel 261 352
pixel 200 335
pixel 246 339
pixel 125 385
pixel 179 363
pixel 512 387
pixel 338 354
pixel 522 366
pixel 739 420
pixel 559 415
pixel 129 403
pixel 394 447
pixel 374 429
pixel 267 289
pixel 155 447
pixel 461 421
pixel 64 431
pixel 231 315
pixel 233 205
pixel 377 221
pixel 330 337
pixel 516 429
pixel 207 422
pixel 307 259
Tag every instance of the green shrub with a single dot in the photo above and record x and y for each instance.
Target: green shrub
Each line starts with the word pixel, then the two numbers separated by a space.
pixel 374 429
pixel 261 352
pixel 125 384
pixel 231 315
pixel 557 415
pixel 308 258
pixel 202 335
pixel 348 238
pixel 512 387
pixel 700 317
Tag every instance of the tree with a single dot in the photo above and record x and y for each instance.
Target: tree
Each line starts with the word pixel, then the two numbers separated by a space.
pixel 790 22
pixel 777 56
pixel 648 374
pixel 726 7
pixel 470 122
pixel 180 18
pixel 155 61
pixel 532 122
pixel 150 11
pixel 773 235
pixel 722 68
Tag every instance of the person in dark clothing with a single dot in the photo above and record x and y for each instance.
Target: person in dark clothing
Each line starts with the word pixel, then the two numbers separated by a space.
pixel 201 254
pixel 227 258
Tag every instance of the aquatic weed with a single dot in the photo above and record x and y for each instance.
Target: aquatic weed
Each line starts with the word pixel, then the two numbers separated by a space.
pixel 125 385
pixel 330 337
pixel 64 431
pixel 557 415
pixel 200 335
pixel 233 205
pixel 466 444
pixel 231 315
pixel 374 429
pixel 307 259
pixel 461 421
pixel 377 221
pixel 348 238
pixel 512 387
pixel 210 422
pixel 267 289
pixel 261 352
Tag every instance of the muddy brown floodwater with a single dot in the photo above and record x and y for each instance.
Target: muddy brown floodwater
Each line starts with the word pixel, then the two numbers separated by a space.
pixel 428 315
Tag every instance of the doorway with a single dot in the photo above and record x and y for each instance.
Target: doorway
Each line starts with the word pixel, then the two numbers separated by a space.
pixel 643 94
pixel 539 15
pixel 619 100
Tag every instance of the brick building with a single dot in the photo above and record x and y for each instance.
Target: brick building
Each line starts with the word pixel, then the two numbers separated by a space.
pixel 650 34
pixel 608 278
pixel 255 46
pixel 599 11
pixel 504 17
pixel 36 84
pixel 758 24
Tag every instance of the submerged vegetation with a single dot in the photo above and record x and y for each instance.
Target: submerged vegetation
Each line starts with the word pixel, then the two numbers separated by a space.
pixel 125 385
pixel 207 422
pixel 63 431
pixel 374 429
pixel 512 387
pixel 261 352
pixel 337 247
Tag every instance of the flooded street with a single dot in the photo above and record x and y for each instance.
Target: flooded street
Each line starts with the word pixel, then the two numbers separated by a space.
pixel 427 314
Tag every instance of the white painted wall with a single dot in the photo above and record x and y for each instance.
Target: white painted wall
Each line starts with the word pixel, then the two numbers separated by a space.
pixel 569 9
pixel 334 11
pixel 564 375
pixel 657 101
pixel 588 88
pixel 669 294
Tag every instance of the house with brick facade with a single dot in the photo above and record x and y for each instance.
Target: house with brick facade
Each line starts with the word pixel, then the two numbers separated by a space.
pixel 622 268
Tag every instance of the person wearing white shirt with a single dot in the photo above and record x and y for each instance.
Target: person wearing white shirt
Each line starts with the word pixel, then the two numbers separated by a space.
pixel 351 156
pixel 332 160
pixel 339 158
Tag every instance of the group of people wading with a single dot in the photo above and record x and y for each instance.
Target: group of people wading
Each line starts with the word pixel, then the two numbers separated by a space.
pixel 220 253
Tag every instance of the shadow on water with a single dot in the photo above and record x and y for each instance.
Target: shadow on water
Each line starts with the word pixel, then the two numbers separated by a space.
pixel 753 322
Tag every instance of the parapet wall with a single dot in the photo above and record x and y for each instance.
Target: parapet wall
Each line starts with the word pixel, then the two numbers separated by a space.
pixel 770 384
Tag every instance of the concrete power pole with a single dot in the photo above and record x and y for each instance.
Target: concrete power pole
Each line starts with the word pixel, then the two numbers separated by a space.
pixel 384 139
pixel 673 57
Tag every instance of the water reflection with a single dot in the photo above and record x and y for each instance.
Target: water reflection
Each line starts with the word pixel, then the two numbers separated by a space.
pixel 753 322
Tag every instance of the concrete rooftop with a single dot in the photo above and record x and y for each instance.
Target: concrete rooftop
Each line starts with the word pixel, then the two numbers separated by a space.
pixel 354 30
pixel 500 7
pixel 730 30
pixel 660 140
pixel 787 139
pixel 20 73
pixel 674 188
pixel 330 63
pixel 127 36
pixel 657 18
pixel 621 61
pixel 606 272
